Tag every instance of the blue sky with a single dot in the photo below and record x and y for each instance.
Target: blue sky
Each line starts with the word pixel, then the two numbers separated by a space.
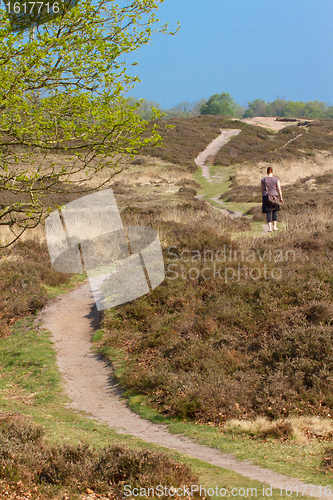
pixel 248 48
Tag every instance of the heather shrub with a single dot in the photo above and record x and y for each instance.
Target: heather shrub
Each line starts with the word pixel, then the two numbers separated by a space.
pixel 4 330
pixel 187 137
pixel 137 467
pixel 24 456
pixel 279 431
pixel 20 451
pixel 21 291
pixel 24 432
pixel 24 268
pixel 229 346
pixel 256 144
pixel 327 461
pixel 68 465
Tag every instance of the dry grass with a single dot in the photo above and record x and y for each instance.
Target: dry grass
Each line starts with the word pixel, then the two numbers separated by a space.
pixel 301 429
pixel 146 168
pixel 36 234
pixel 152 175
pixel 301 225
pixel 76 167
pixel 289 172
pixel 137 180
pixel 209 217
pixel 195 222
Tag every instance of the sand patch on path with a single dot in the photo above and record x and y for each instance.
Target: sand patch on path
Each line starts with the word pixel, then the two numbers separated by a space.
pixel 270 122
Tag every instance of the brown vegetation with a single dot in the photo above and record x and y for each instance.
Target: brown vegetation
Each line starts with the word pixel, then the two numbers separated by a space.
pixel 299 429
pixel 188 137
pixel 185 138
pixel 26 460
pixel 235 347
pixel 24 269
pixel 254 145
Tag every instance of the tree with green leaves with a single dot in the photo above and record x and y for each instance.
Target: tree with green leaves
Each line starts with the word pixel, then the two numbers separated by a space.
pixel 276 107
pixel 144 108
pixel 258 107
pixel 64 113
pixel 219 104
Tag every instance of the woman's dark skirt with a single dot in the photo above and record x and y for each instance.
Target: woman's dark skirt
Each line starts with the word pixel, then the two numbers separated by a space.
pixel 266 206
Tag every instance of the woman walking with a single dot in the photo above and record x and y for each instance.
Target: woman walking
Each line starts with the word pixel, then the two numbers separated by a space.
pixel 270 185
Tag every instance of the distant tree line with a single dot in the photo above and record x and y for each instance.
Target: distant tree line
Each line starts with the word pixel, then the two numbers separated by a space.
pixel 224 105
pixel 147 109
pixel 289 109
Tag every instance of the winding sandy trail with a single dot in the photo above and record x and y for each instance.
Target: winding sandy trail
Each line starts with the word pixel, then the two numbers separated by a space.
pixel 88 381
pixel 212 149
pixel 209 154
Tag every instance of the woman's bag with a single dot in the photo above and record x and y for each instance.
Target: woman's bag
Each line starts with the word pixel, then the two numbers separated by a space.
pixel 272 200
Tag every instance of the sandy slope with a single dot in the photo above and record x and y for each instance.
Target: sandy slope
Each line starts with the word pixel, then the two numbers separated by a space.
pixel 269 122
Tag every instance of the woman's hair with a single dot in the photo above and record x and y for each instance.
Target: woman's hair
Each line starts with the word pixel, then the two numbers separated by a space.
pixel 269 170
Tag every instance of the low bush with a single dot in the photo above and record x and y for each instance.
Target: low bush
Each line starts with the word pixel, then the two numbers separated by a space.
pixel 255 144
pixel 118 465
pixel 187 137
pixel 25 457
pixel 242 194
pixel 327 460
pixel 279 431
pixel 24 268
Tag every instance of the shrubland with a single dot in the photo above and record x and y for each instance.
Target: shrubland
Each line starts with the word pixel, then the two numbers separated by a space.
pixel 246 333
pixel 24 271
pixel 185 139
pixel 47 450
pixel 29 464
pixel 241 327
pixel 291 143
pixel 249 338
pixel 252 339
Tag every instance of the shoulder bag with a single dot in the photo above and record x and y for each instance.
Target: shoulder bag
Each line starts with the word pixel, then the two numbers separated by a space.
pixel 272 200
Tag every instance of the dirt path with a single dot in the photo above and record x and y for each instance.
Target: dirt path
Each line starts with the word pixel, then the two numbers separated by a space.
pixel 88 381
pixel 232 214
pixel 212 149
pixel 209 154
